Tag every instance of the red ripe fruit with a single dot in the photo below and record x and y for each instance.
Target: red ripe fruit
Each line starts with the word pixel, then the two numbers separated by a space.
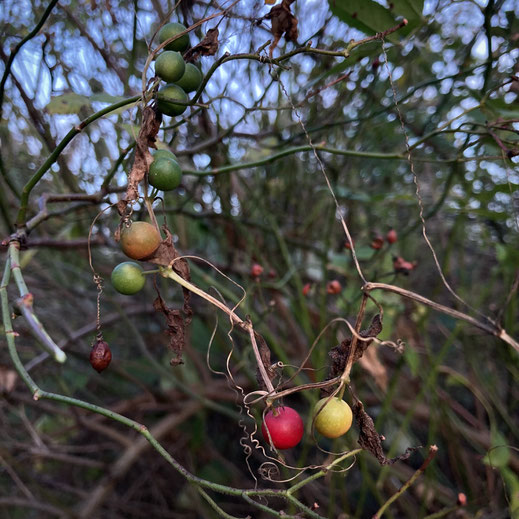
pixel 462 499
pixel 100 355
pixel 285 427
pixel 402 266
pixel 256 270
pixel 333 287
pixel 307 288
pixel 391 236
pixel 347 245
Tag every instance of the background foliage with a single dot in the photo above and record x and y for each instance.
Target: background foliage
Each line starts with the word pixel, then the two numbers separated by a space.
pixel 253 192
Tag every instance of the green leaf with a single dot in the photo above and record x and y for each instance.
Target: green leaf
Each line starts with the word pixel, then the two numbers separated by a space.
pixel 67 104
pixel 370 17
pixel 409 9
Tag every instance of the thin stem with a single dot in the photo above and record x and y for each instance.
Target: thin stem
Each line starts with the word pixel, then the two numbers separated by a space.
pixel 235 319
pixel 15 51
pixel 53 157
pixel 432 453
pixel 495 329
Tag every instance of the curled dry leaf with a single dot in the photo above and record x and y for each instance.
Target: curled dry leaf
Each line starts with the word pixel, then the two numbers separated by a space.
pixel 371 441
pixel 264 352
pixel 339 355
pixel 207 47
pixel 166 255
pixel 175 329
pixel 147 134
pixel 283 23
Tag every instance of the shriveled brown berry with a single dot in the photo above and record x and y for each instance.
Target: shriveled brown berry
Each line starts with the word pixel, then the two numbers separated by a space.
pixel 377 242
pixel 100 355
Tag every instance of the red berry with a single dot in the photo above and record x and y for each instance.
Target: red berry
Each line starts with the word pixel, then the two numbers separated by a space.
pixel 334 287
pixel 256 270
pixel 462 499
pixel 402 266
pixel 377 243
pixel 392 236
pixel 307 288
pixel 100 355
pixel 348 245
pixel 285 427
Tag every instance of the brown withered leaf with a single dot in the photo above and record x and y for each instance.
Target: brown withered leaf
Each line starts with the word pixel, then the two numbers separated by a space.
pixel 370 440
pixel 175 329
pixel 8 378
pixel 283 23
pixel 371 363
pixel 207 47
pixel 151 120
pixel 265 359
pixel 165 255
pixel 339 355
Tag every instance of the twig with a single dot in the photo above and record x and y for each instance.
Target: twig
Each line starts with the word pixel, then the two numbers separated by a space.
pixel 495 330
pixel 53 157
pixel 15 51
pixel 432 453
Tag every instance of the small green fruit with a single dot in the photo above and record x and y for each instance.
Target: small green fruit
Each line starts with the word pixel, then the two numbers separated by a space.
pixel 166 97
pixel 172 29
pixel 164 154
pixel 334 419
pixel 170 66
pixel 165 174
pixel 191 79
pixel 127 278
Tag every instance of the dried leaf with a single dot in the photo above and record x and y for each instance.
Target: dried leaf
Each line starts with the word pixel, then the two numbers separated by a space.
pixel 175 329
pixel 165 255
pixel 371 441
pixel 207 47
pixel 339 355
pixel 8 378
pixel 149 128
pixel 264 352
pixel 371 363
pixel 283 23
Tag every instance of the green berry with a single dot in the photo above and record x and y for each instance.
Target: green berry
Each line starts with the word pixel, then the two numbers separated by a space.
pixel 128 278
pixel 170 66
pixel 172 29
pixel 166 97
pixel 191 79
pixel 165 174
